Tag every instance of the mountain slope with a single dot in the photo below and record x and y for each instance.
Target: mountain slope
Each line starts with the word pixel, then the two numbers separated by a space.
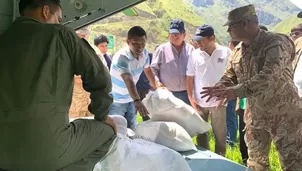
pixel 286 25
pixel 155 16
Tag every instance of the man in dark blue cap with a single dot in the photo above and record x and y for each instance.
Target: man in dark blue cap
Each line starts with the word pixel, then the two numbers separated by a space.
pixel 170 61
pixel 205 68
pixel 299 15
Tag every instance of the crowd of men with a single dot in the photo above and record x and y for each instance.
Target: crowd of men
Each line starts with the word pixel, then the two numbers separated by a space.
pixel 50 66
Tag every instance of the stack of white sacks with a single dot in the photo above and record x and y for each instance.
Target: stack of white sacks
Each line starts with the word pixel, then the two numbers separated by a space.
pixel 155 144
pixel 173 123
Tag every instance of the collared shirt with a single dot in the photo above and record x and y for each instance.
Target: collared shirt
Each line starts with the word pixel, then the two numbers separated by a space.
pixel 298 76
pixel 207 71
pixel 37 75
pixel 264 74
pixel 169 67
pixel 124 62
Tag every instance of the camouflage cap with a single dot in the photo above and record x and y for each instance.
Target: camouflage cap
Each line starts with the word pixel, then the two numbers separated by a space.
pixel 239 14
pixel 299 15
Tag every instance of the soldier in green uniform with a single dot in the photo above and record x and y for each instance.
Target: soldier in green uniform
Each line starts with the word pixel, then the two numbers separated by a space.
pixel 39 59
pixel 260 69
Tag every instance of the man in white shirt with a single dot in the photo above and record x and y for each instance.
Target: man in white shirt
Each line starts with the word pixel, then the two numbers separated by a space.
pixel 205 68
pixel 297 65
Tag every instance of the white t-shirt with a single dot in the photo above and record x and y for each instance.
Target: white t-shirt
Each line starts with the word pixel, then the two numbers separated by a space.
pixel 207 71
pixel 298 76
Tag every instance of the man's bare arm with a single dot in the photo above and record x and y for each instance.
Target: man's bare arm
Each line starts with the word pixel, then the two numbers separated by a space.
pixel 190 85
pixel 149 74
pixel 128 79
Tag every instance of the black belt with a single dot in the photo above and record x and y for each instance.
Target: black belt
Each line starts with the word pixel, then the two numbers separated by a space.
pixel 183 91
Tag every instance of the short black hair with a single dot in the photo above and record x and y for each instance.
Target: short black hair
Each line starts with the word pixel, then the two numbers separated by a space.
pixel 100 39
pixel 262 27
pixel 23 4
pixel 136 31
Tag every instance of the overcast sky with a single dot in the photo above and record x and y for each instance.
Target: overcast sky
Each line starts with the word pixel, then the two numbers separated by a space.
pixel 298 3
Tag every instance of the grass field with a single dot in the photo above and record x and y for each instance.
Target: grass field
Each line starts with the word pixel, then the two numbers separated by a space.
pixel 233 153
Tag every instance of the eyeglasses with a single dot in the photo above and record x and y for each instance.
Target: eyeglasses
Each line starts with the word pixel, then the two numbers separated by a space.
pixel 295 33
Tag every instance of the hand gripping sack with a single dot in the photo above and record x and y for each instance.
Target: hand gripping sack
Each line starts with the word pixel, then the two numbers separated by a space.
pixel 163 106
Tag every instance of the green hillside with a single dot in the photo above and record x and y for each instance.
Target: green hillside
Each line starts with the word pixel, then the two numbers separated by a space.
pixel 155 15
pixel 286 25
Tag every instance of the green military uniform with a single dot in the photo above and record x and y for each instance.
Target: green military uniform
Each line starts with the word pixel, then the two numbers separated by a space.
pixel 263 73
pixel 37 68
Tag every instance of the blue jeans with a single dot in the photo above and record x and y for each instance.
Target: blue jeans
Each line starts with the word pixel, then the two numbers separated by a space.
pixel 127 110
pixel 182 95
pixel 232 122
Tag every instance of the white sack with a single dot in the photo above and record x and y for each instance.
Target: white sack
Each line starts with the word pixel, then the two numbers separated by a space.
pixel 168 134
pixel 163 106
pixel 141 155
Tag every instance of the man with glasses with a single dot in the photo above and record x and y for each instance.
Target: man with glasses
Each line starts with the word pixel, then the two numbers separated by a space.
pixel 205 67
pixel 260 69
pixel 170 61
pixel 296 32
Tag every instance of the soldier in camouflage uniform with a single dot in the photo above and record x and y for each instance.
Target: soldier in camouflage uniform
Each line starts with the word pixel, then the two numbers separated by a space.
pixel 260 69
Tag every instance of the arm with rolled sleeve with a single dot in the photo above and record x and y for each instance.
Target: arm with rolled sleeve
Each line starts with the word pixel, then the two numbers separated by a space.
pixel 156 63
pixel 95 76
pixel 149 74
pixel 190 76
pixel 277 56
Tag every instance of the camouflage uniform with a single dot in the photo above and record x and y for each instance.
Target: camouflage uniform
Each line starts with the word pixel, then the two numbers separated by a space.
pixel 263 73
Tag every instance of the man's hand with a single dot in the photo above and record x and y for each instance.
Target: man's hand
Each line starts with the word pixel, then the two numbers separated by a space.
pixel 158 84
pixel 141 108
pixel 194 103
pixel 109 121
pixel 222 94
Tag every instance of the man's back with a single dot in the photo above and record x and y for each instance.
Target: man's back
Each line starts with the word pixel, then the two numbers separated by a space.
pixel 37 71
pixel 32 103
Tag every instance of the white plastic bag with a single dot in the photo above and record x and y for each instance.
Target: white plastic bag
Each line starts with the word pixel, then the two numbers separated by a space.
pixel 163 106
pixel 141 155
pixel 168 134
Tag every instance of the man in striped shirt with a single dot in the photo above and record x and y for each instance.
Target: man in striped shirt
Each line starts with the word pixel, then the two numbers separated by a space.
pixel 126 68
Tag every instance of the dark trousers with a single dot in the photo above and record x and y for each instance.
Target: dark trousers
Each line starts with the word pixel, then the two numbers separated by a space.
pixel 243 147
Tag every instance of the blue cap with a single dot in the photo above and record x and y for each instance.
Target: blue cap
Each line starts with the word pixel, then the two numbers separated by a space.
pixel 177 26
pixel 299 15
pixel 203 31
